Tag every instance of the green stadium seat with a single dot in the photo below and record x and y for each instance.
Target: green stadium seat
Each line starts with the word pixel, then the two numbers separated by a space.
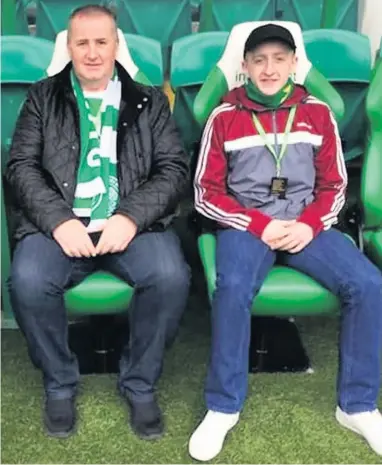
pixel 147 55
pixel 222 15
pixel 227 73
pixel 8 17
pixel 52 15
pixel 24 61
pixel 349 73
pixel 102 293
pixel 192 59
pixel 308 13
pixel 22 7
pixel 164 21
pixel 286 291
pixel 371 181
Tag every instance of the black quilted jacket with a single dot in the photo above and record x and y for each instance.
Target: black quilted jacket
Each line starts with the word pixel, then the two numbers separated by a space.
pixel 45 152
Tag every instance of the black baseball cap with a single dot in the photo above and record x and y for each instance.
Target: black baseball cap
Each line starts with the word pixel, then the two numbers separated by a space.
pixel 269 33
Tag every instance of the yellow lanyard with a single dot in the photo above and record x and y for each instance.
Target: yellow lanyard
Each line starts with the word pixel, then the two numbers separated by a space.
pixel 277 156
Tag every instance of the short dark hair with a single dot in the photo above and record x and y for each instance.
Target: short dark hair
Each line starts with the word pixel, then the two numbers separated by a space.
pixel 90 10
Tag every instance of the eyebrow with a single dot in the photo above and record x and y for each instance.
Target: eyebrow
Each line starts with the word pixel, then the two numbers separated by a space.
pixel 262 55
pixel 87 40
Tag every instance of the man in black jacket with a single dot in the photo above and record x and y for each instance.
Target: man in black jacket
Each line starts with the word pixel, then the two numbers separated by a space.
pixel 97 170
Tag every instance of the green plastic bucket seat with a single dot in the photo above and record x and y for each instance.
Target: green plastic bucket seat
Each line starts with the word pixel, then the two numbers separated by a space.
pixel 286 292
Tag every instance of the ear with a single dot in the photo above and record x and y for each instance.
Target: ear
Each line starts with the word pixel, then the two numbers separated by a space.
pixel 294 63
pixel 69 48
pixel 244 66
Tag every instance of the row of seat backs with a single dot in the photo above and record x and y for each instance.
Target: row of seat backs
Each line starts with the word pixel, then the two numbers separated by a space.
pixel 222 15
pixel 168 20
pixel 165 20
pixel 195 57
pixel 372 198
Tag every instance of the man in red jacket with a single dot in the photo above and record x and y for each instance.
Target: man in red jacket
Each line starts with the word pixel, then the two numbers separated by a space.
pixel 271 173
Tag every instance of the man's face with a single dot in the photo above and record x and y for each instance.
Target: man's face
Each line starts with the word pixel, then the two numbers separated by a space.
pixel 92 45
pixel 269 66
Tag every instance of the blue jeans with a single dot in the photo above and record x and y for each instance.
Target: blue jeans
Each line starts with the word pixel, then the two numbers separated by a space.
pixel 41 273
pixel 243 262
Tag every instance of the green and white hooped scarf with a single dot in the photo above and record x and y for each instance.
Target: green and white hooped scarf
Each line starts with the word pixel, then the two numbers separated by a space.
pixel 97 191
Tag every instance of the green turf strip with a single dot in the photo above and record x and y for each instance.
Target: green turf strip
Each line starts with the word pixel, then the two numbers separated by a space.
pixel 288 418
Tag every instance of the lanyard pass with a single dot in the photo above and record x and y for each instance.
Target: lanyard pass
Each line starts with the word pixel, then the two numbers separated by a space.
pixel 278 184
pixel 279 187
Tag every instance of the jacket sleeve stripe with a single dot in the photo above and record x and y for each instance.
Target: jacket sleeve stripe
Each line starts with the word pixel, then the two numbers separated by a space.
pixel 236 220
pixel 339 198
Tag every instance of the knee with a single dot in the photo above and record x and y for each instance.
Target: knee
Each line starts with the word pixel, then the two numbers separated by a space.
pixel 171 276
pixel 365 286
pixel 26 282
pixel 234 284
pixel 230 281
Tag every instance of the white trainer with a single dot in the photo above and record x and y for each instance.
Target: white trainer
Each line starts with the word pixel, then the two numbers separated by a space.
pixel 207 440
pixel 366 424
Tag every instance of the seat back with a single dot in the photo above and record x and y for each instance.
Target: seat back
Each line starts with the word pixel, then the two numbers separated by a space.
pixel 23 7
pixel 192 59
pixel 52 15
pixel 311 13
pixel 371 181
pixel 147 55
pixel 228 73
pixel 223 15
pixel 164 21
pixel 24 60
pixel 349 73
pixel 8 17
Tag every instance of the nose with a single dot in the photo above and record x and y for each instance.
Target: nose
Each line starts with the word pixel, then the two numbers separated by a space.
pixel 269 68
pixel 92 52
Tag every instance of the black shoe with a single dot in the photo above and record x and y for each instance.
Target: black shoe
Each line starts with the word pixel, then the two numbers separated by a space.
pixel 60 417
pixel 146 419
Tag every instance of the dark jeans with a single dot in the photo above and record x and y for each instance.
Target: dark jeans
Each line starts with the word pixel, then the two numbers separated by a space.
pixel 243 262
pixel 41 273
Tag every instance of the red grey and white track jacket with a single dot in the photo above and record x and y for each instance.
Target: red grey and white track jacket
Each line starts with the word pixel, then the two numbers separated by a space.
pixel 235 168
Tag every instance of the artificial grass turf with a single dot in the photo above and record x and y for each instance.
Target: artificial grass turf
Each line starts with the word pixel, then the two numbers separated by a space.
pixel 288 418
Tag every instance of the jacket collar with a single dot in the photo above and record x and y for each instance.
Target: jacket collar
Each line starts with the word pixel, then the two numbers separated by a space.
pixel 133 95
pixel 238 97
